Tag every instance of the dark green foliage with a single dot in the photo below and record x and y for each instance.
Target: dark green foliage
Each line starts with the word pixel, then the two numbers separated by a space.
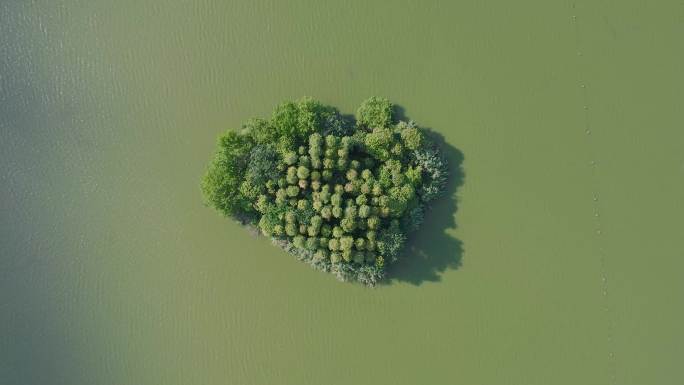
pixel 339 196
pixel 335 124
pixel 413 218
pixel 435 170
pixel 263 165
pixel 391 241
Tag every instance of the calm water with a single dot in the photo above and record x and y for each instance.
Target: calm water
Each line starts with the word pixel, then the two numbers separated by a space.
pixel 562 264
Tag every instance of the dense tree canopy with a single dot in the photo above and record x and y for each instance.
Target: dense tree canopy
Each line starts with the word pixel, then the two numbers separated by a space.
pixel 338 194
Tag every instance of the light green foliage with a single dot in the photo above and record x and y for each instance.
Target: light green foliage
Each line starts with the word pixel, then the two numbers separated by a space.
pixel 298 119
pixel 321 254
pixel 414 175
pixel 342 196
pixel 225 175
pixel 311 243
pixel 290 158
pixel 331 142
pixel 291 176
pixel 348 224
pixel 317 205
pixel 281 196
pixel 347 255
pixel 336 199
pixel 351 211
pixel 270 219
pixel 346 243
pixel 302 172
pixel 324 195
pixel 375 112
pixel 262 203
pixel 259 130
pixel 249 190
pixel 379 141
pixel 290 229
pixel 364 211
pixel 366 174
pixel 373 222
pixel 290 216
pixel 335 258
pixel 399 199
pixel 305 161
pixel 298 241
pixel 292 191
pixel 410 135
pixel 302 204
pixel 326 212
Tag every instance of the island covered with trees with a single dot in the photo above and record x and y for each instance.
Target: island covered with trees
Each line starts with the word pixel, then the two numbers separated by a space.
pixel 339 193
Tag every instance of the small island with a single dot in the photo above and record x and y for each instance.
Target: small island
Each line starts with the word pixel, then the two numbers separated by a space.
pixel 339 193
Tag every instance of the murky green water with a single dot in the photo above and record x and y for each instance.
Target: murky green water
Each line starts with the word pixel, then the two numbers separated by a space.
pixel 562 264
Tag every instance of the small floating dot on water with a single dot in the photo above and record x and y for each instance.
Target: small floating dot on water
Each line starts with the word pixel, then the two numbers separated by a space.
pixel 595 199
pixel 579 53
pixel 583 86
pixel 598 232
pixel 597 215
pixel 586 107
pixel 588 132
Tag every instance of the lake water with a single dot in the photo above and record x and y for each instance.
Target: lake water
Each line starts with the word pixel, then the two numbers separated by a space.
pixel 558 260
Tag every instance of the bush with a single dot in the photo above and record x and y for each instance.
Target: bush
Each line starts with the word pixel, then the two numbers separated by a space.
pixel 435 169
pixel 262 165
pixel 410 135
pixel 339 196
pixel 391 241
pixel 375 112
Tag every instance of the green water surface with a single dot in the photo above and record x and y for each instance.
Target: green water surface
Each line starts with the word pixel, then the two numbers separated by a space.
pixel 558 261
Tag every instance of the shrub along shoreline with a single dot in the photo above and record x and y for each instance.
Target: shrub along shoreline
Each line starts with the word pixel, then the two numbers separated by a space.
pixel 337 193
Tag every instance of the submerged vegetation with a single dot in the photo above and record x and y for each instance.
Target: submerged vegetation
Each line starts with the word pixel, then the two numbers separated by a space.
pixel 339 194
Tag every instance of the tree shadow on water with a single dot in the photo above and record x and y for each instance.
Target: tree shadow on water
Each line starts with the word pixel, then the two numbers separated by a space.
pixel 430 250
